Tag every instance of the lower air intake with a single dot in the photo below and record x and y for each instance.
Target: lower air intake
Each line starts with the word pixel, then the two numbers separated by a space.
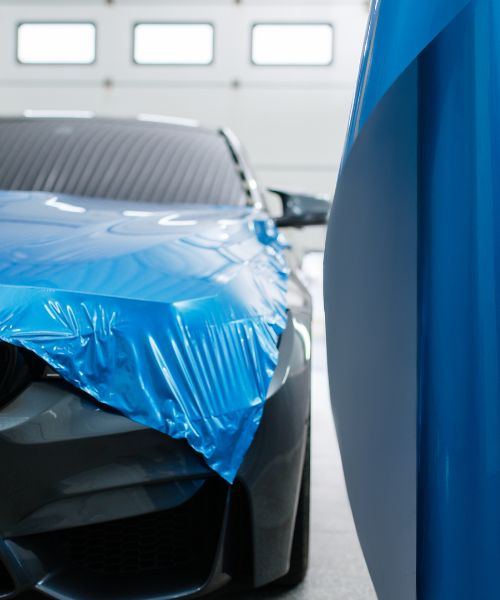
pixel 6 583
pixel 177 539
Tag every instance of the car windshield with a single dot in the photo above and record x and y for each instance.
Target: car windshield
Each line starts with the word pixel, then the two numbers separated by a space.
pixel 125 160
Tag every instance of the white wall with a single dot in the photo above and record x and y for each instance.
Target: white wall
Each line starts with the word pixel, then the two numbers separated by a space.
pixel 291 119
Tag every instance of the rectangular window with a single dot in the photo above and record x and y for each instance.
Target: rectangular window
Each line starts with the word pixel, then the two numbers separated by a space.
pixel 56 43
pixel 173 43
pixel 292 44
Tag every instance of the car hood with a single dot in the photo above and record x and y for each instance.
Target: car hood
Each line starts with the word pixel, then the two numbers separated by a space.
pixel 124 249
pixel 168 313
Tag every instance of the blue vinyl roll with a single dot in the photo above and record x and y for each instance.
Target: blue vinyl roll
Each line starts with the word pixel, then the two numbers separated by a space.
pixel 424 135
pixel 170 315
pixel 459 281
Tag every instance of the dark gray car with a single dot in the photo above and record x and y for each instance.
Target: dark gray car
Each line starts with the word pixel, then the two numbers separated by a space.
pixel 95 505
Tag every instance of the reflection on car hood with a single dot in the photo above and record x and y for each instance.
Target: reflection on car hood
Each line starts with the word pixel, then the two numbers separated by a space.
pixel 168 313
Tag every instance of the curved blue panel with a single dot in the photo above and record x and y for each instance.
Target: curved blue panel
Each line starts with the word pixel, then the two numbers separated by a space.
pixel 459 185
pixel 398 30
pixel 424 132
pixel 170 316
pixel 371 326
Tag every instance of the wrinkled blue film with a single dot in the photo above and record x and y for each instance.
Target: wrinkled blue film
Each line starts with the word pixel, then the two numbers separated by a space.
pixel 169 316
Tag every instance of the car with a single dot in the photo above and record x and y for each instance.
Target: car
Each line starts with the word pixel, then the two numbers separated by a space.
pixel 94 504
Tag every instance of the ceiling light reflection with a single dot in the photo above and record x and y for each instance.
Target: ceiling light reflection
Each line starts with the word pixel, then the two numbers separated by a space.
pixel 170 221
pixel 168 120
pixel 58 114
pixel 137 213
pixel 54 203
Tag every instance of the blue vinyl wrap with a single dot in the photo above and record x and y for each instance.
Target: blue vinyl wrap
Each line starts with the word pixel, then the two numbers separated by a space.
pixel 456 47
pixel 459 202
pixel 398 30
pixel 169 314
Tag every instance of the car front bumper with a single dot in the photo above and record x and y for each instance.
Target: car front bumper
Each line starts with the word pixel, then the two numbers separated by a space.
pixel 70 464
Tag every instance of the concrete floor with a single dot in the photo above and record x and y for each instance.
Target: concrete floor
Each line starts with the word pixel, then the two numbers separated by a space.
pixel 337 570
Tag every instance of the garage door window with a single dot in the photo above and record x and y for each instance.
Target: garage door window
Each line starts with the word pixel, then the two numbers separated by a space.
pixel 292 44
pixel 56 43
pixel 173 43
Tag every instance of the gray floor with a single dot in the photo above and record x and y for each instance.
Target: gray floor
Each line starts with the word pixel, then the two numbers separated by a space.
pixel 337 569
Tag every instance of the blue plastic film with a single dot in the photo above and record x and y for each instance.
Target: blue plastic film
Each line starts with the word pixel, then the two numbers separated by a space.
pixel 424 132
pixel 459 281
pixel 398 30
pixel 169 316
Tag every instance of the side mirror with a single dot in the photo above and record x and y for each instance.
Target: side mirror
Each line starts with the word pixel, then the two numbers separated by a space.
pixel 301 209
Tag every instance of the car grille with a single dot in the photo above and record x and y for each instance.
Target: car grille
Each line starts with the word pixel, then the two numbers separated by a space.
pixel 184 537
pixel 6 583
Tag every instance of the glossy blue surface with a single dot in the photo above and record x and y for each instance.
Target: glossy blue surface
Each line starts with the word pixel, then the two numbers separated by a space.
pixel 170 316
pixel 398 30
pixel 459 196
pixel 455 46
